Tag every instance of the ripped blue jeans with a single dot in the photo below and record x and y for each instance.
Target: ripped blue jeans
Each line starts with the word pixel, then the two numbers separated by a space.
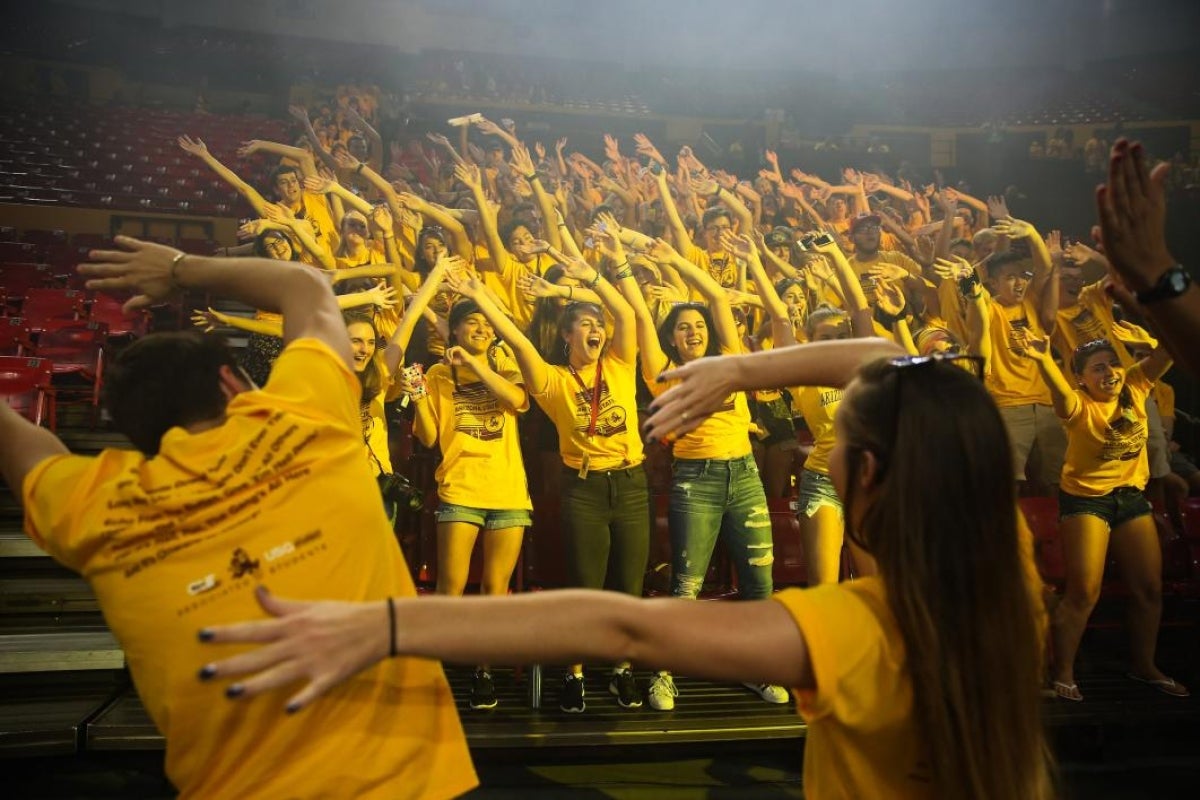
pixel 710 497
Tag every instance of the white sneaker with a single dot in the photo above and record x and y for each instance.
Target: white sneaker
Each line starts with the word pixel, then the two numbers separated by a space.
pixel 662 692
pixel 769 692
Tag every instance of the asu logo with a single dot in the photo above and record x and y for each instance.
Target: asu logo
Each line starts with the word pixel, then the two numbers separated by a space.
pixel 240 564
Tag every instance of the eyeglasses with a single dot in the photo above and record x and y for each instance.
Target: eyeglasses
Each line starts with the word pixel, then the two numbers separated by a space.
pixel 355 225
pixel 973 363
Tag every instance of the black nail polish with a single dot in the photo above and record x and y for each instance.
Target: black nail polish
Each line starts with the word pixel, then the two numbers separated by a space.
pixel 292 708
pixel 235 691
pixel 207 671
pixel 205 635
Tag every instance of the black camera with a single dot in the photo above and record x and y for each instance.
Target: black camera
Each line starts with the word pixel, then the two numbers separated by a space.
pixel 398 490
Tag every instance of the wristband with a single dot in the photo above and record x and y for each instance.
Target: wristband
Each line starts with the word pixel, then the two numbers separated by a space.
pixel 358 170
pixel 571 293
pixel 596 280
pixel 968 287
pixel 171 275
pixel 623 274
pixel 716 196
pixel 888 320
pixel 391 627
pixel 531 177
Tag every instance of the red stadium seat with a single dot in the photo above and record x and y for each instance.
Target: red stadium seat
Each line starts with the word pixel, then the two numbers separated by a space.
pixel 1041 513
pixel 43 305
pixel 107 310
pixel 76 348
pixel 25 386
pixel 1191 519
pixel 14 336
pixel 791 565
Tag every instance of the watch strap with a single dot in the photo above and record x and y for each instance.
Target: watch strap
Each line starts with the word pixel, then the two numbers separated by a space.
pixel 1171 284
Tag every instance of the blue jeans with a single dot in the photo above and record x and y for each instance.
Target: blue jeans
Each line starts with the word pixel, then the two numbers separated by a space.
pixel 708 497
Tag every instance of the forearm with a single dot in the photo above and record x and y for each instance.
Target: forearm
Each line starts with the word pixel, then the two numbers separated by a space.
pixel 511 396
pixel 394 353
pixel 549 212
pixel 771 301
pixel 424 427
pixel 23 446
pixel 1061 393
pixel 265 327
pixel 831 363
pixel 297 154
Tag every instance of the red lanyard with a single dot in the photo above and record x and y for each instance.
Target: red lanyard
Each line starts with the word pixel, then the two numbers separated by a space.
pixel 595 393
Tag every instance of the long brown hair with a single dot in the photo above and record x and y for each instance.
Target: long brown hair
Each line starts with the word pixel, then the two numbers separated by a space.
pixel 944 533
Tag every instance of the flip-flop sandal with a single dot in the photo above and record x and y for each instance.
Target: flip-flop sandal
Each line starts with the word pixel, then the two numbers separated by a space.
pixel 1164 685
pixel 1068 691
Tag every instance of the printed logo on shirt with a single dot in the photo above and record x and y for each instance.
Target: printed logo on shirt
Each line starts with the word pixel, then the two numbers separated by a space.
pixel 241 564
pixel 611 418
pixel 1087 327
pixel 830 396
pixel 205 584
pixel 477 412
pixel 1017 335
pixel 1124 440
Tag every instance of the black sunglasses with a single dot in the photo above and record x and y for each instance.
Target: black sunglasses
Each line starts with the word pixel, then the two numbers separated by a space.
pixel 973 363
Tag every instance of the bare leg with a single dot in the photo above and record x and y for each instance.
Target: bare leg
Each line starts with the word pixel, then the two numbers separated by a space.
pixel 455 541
pixel 1135 545
pixel 1085 543
pixel 822 537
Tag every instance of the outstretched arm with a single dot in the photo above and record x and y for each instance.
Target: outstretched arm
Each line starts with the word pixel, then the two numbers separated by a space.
pixel 197 148
pixel 533 366
pixel 706 382
pixel 1066 403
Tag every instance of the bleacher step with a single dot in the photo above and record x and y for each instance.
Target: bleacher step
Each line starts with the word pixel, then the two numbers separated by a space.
pixel 52 652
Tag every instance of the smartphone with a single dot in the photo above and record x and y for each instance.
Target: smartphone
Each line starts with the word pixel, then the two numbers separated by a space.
pixel 655 168
pixel 822 240
pixel 415 374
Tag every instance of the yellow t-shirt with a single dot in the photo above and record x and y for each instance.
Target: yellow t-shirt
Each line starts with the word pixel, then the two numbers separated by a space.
pixel 373 418
pixel 862 737
pixel 1164 395
pixel 723 267
pixel 1013 378
pixel 894 257
pixel 616 442
pixel 724 435
pixel 279 494
pixel 316 211
pixel 503 281
pixel 1106 445
pixel 1092 318
pixel 481 448
pixel 818 405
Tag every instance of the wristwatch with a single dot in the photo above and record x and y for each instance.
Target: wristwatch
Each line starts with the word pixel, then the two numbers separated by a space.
pixel 1173 283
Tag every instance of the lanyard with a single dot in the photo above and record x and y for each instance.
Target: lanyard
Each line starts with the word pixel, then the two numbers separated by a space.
pixel 595 393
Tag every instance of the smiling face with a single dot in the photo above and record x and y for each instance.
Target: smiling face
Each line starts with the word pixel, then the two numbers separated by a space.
pixel 1070 283
pixel 287 188
pixel 474 333
pixel 835 328
pixel 354 230
pixel 690 335
pixel 1102 376
pixel 278 247
pixel 1010 284
pixel 362 344
pixel 585 339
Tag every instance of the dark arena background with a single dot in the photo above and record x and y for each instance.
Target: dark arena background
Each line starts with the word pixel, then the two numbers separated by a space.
pixel 1013 104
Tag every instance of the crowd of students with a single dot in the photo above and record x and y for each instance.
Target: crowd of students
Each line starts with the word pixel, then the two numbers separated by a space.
pixel 535 273
pixel 638 300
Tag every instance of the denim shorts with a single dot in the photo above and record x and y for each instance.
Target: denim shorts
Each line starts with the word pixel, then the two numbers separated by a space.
pixel 490 519
pixel 1116 508
pixel 816 490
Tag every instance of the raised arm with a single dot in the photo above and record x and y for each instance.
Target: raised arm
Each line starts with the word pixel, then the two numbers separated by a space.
pixel 393 355
pixel 156 272
pixel 678 230
pixel 298 154
pixel 852 291
pixel 374 140
pixel 1044 285
pixel 1066 403
pixel 706 382
pixel 300 114
pixel 197 148
pixel 522 163
pixel 533 366
pixel 319 185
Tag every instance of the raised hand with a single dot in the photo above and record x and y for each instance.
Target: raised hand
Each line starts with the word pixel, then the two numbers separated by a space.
pixel 772 158
pixel 382 217
pixel 1132 209
pixel 1079 253
pixel 531 249
pixel 704 186
pixel 535 287
pixel 382 295
pixel 560 144
pixel 438 139
pixel 881 271
pixel 298 113
pixel 487 127
pixel 740 246
pixel 889 298
pixel 205 319
pixel 521 161
pixel 997 207
pixel 646 148
pixel 612 150
pixel 725 180
pixel 579 269
pixel 469 175
pixel 704 385
pixel 145 268
pixel 1014 228
pixel 193 147
pixel 539 150
pixel 465 284
pixel 252 229
pixel 953 268
pixel 456 356
pixel 345 160
pixel 317 184
pixel 1054 245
